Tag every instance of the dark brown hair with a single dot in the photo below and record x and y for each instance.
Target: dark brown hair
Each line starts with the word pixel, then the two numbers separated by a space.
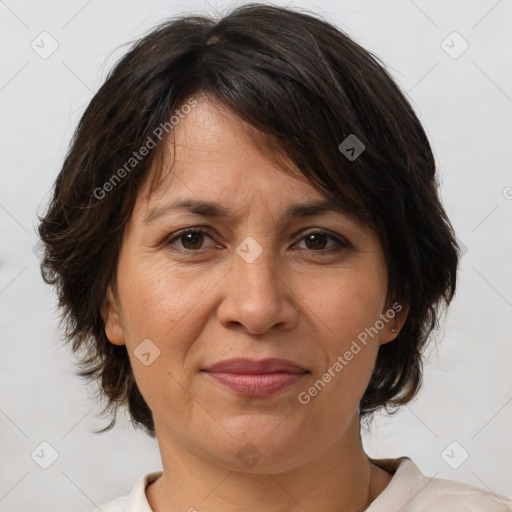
pixel 306 86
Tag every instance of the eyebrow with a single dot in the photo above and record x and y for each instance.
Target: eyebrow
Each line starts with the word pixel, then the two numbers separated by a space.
pixel 216 210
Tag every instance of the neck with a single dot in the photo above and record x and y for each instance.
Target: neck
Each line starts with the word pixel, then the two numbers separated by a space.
pixel 341 479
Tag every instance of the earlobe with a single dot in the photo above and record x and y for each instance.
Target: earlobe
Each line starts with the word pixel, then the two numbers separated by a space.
pixel 394 325
pixel 112 320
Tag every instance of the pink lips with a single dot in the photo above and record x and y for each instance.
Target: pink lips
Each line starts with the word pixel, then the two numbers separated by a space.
pixel 256 378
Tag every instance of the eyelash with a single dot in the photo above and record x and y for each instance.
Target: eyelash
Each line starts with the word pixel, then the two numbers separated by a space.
pixel 340 244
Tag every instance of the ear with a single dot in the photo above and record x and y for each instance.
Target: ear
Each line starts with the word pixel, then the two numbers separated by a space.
pixel 111 317
pixel 394 317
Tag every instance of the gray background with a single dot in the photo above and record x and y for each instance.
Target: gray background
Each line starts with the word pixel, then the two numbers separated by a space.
pixel 465 102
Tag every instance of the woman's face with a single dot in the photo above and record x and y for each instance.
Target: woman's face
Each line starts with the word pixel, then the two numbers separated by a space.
pixel 263 278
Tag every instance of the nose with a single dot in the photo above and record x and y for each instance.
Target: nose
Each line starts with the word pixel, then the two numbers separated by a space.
pixel 257 296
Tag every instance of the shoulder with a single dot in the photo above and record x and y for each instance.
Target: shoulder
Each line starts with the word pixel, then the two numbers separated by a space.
pixel 411 491
pixel 445 495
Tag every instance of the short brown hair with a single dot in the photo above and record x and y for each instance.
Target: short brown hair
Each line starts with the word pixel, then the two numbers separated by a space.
pixel 306 86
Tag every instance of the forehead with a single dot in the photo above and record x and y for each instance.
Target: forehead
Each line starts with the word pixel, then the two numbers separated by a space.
pixel 213 152
pixel 214 156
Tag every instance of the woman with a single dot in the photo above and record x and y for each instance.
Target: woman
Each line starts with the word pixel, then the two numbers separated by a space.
pixel 250 253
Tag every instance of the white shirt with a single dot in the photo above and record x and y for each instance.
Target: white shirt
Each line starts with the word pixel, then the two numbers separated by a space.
pixel 408 491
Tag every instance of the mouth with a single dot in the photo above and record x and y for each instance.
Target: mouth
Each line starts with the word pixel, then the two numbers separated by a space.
pixel 253 378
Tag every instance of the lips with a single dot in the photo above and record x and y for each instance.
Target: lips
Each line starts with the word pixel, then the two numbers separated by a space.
pixel 254 378
pixel 253 367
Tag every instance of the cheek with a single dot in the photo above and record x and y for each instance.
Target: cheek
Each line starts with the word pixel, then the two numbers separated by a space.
pixel 347 303
pixel 157 296
pixel 164 306
pixel 345 307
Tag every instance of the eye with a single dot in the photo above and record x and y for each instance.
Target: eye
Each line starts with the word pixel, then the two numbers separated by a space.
pixel 316 241
pixel 193 240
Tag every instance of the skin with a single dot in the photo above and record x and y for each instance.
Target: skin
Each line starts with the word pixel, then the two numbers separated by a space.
pixel 199 302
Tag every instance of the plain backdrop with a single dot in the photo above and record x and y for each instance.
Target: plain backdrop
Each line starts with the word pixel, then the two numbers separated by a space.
pixel 464 98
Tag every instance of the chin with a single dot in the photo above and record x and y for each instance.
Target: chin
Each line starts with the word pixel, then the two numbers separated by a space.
pixel 261 444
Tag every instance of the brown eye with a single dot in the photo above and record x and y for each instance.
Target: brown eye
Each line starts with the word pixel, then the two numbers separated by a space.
pixel 192 240
pixel 318 241
pixel 189 239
